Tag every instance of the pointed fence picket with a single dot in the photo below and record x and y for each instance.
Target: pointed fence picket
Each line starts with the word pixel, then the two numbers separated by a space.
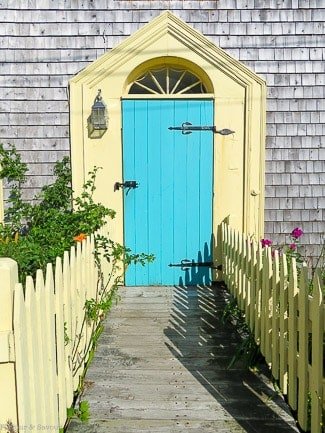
pixel 49 340
pixel 286 318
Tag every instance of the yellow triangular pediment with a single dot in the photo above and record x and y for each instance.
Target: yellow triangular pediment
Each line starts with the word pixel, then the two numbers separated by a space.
pixel 169 31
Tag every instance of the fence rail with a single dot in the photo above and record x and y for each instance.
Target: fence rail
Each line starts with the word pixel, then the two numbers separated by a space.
pixel 285 311
pixel 44 339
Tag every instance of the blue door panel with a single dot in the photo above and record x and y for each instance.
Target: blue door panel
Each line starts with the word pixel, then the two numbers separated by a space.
pixel 170 213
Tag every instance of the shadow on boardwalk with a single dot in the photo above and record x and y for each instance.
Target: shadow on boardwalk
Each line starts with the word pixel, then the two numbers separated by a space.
pixel 161 367
pixel 205 345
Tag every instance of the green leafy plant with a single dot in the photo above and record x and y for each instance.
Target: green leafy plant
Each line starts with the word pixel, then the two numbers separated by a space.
pixel 35 233
pixel 14 171
pixel 81 411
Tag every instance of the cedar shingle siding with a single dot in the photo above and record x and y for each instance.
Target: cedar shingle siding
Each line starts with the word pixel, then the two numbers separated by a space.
pixel 44 42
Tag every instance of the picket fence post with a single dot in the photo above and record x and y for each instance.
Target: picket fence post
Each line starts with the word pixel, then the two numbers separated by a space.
pixel 8 278
pixel 283 334
pixel 292 334
pixel 303 329
pixel 275 316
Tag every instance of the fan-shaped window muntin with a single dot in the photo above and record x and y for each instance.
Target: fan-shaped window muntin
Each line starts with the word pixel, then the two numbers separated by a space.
pixel 167 81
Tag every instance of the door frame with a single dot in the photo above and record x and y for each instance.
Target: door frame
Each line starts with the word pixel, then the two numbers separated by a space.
pixel 240 99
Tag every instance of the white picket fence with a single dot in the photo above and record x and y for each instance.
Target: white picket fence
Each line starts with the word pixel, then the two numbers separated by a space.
pixel 44 339
pixel 286 320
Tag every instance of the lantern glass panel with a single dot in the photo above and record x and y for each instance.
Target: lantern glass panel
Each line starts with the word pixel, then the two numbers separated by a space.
pixel 98 116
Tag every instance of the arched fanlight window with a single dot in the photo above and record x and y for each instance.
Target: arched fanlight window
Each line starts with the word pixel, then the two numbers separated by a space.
pixel 167 81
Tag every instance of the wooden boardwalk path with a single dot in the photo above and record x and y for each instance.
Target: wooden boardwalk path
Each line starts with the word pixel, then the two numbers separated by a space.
pixel 161 366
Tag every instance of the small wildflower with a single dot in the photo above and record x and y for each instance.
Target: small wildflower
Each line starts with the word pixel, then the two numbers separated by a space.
pixel 293 246
pixel 80 237
pixel 297 233
pixel 266 242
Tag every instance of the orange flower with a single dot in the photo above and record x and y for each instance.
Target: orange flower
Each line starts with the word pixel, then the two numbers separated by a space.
pixel 81 237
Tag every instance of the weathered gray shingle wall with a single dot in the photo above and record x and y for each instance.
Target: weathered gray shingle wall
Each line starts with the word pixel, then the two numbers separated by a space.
pixel 44 42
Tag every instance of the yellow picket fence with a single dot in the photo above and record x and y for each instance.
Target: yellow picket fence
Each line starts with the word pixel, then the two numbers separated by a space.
pixel 286 320
pixel 44 339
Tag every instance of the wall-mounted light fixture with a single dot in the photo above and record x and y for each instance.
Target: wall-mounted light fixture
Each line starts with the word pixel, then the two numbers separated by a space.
pixel 97 121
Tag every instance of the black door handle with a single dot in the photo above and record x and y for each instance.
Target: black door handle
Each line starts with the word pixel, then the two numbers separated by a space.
pixel 128 184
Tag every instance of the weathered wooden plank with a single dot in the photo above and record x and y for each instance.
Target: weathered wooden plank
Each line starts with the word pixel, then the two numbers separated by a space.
pixel 163 314
pixel 138 321
pixel 178 426
pixel 60 144
pixel 29 132
pixel 157 425
pixel 193 339
pixel 34 119
pixel 38 81
pixel 32 95
pixel 172 362
pixel 221 378
pixel 212 412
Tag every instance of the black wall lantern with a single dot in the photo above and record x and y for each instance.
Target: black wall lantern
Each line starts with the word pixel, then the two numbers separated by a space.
pixel 97 121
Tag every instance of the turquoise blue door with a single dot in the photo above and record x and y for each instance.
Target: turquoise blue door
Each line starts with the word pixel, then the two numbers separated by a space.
pixel 169 214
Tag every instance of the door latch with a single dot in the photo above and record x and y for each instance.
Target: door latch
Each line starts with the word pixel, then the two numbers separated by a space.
pixel 128 184
pixel 187 128
pixel 186 264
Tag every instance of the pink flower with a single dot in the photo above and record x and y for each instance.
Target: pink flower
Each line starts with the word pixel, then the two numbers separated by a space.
pixel 266 242
pixel 297 233
pixel 293 247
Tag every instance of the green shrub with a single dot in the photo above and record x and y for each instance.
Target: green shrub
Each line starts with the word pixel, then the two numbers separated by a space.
pixel 35 233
